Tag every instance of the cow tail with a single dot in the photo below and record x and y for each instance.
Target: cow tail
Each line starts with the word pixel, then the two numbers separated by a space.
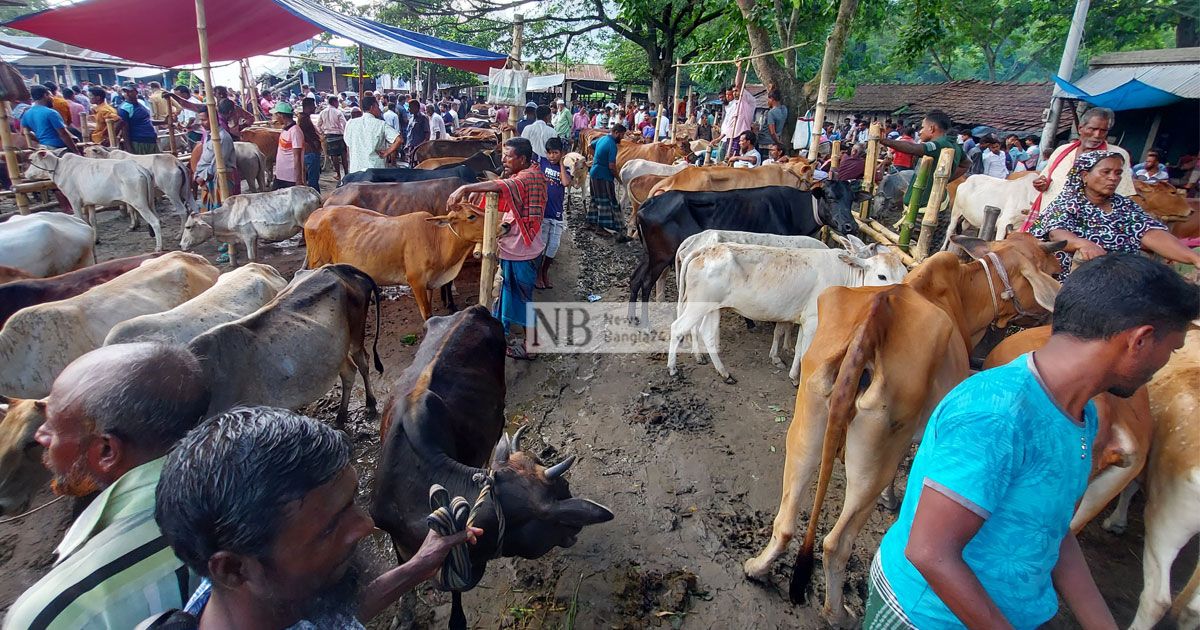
pixel 378 294
pixel 862 348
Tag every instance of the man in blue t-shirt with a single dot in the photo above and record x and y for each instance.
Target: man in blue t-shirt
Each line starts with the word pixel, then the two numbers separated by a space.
pixel 135 128
pixel 983 538
pixel 605 213
pixel 45 123
pixel 558 179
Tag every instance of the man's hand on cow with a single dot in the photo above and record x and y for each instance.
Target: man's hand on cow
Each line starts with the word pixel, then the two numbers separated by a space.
pixel 1041 184
pixel 436 547
pixel 455 197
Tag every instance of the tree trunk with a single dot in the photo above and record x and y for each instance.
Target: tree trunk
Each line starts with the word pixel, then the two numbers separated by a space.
pixel 661 75
pixel 835 45
pixel 1187 31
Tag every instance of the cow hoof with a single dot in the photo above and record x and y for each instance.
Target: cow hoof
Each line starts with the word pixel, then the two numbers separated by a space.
pixel 755 570
pixel 1116 529
pixel 729 379
pixel 371 403
pixel 777 362
pixel 701 360
pixel 843 621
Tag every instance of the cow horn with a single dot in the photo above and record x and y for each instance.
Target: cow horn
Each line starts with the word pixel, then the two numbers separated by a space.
pixel 515 443
pixel 557 470
pixel 502 451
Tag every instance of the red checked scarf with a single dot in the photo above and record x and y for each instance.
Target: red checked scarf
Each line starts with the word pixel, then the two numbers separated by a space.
pixel 525 195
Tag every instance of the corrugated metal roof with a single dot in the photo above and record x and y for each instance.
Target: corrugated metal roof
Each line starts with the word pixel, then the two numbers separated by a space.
pixel 1181 78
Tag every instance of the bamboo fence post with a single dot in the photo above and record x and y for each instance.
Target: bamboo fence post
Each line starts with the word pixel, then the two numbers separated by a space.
pixel 518 36
pixel 868 180
pixel 674 100
pixel 491 237
pixel 929 221
pixel 213 126
pixel 919 186
pixel 112 133
pixel 835 154
pixel 10 160
pixel 171 127
pixel 253 90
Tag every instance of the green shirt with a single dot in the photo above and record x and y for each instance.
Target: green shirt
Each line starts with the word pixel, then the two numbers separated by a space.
pixel 933 148
pixel 113 569
pixel 562 123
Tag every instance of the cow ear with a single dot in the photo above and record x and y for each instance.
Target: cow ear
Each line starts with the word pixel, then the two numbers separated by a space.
pixel 851 259
pixel 1045 288
pixel 575 512
pixel 862 195
pixel 818 192
pixel 1056 246
pixel 976 248
pixel 438 221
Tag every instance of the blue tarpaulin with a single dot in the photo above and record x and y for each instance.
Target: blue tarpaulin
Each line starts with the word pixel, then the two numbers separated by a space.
pixel 1132 94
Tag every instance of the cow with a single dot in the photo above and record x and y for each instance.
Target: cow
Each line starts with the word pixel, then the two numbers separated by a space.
pixel 797 174
pixel 20 294
pixel 397 175
pixel 1169 205
pixel 271 216
pixel 88 183
pixel 478 133
pixel 418 249
pixel 46 244
pixel 38 342
pixel 10 274
pixel 880 361
pixel 1014 198
pixel 236 294
pixel 661 152
pixel 22 472
pixel 266 140
pixel 696 242
pixel 666 220
pixel 170 177
pixel 443 424
pixel 251 164
pixel 400 198
pixel 482 161
pixel 288 353
pixel 463 148
pixel 587 141
pixel 772 284
pixel 1122 441
pixel 634 169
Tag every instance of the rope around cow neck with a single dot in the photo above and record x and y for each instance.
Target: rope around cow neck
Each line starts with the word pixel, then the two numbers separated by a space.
pixel 450 516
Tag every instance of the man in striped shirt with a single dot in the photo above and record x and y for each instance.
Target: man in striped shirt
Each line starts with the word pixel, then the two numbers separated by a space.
pixel 111 417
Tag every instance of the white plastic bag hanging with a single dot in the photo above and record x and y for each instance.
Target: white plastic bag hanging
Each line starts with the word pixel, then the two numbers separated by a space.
pixel 803 133
pixel 507 87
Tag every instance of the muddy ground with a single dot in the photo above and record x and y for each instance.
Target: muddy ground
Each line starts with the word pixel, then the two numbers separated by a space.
pixel 691 467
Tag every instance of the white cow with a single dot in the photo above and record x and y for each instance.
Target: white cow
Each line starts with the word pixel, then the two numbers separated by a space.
pixel 771 284
pixel 251 164
pixel 695 242
pixel 39 341
pixel 636 168
pixel 271 216
pixel 235 295
pixel 46 244
pixel 1014 197
pixel 89 183
pixel 170 177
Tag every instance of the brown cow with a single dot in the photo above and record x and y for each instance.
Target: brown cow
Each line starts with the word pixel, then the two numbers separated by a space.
pixel 1122 441
pixel 478 133
pixel 880 361
pixel 797 173
pixel 9 274
pixel 399 198
pixel 1169 205
pixel 451 148
pixel 17 295
pixel 432 163
pixel 587 141
pixel 639 191
pixel 20 455
pixel 418 249
pixel 661 152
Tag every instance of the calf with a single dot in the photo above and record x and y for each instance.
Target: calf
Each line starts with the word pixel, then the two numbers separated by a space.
pixel 288 353
pixel 236 294
pixel 443 424
pixel 251 164
pixel 22 472
pixel 89 183
pixel 396 175
pixel 771 284
pixel 1014 197
pixel 418 249
pixel 38 342
pixel 797 173
pixel 15 296
pixel 880 361
pixel 170 177
pixel 46 244
pixel 452 147
pixel 271 216
pixel 399 198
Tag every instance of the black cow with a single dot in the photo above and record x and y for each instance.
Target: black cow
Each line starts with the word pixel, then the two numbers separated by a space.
pixel 443 424
pixel 397 175
pixel 479 162
pixel 664 221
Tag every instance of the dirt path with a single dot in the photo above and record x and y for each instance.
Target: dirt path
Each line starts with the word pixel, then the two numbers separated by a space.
pixel 691 467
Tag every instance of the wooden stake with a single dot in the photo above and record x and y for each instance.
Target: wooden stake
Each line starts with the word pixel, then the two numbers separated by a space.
pixel 929 221
pixel 362 86
pixel 10 160
pixel 491 237
pixel 919 186
pixel 333 76
pixel 882 235
pixel 248 79
pixel 210 101
pixel 112 133
pixel 835 155
pixel 868 180
pixel 674 108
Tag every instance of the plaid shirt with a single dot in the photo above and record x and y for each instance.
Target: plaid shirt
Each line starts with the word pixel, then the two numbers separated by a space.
pixel 524 204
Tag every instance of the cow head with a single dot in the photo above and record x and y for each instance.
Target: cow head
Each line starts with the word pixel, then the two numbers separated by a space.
pixel 1162 200
pixel 879 265
pixel 835 204
pixel 802 169
pixel 42 164
pixel 1030 266
pixel 22 473
pixel 539 511
pixel 574 163
pixel 464 222
pixel 195 231
pixel 96 151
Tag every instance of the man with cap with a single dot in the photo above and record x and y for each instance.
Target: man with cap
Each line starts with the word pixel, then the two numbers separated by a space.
pixel 134 127
pixel 529 119
pixel 562 120
pixel 289 157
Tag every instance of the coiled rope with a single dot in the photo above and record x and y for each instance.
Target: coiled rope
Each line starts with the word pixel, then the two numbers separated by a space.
pixel 452 515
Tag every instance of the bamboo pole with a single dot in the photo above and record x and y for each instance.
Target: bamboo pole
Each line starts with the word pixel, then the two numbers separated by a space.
pixel 333 76
pixel 112 133
pixel 741 59
pixel 868 180
pixel 929 221
pixel 882 235
pixel 518 37
pixel 835 155
pixel 919 185
pixel 674 108
pixel 828 67
pixel 10 160
pixel 213 126
pixel 491 237
pixel 171 127
pixel 362 86
pixel 248 80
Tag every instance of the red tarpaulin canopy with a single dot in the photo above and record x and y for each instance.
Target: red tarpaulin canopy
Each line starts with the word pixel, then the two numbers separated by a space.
pixel 163 32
